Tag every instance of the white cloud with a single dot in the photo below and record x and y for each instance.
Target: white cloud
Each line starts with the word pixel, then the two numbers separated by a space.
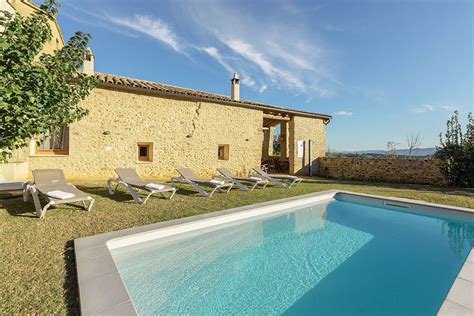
pixel 150 26
pixel 343 113
pixel 279 53
pixel 276 50
pixel 429 108
pixel 214 53
pixel 263 88
pixel 449 107
pixel 423 108
pixel 274 73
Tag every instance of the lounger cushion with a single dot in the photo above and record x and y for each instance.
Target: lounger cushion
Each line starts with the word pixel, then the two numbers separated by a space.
pixel 58 194
pixel 218 182
pixel 155 186
pixel 256 178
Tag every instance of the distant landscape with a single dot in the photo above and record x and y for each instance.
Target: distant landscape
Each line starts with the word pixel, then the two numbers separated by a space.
pixel 417 152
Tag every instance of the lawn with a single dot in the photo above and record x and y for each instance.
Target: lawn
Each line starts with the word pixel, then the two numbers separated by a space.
pixel 37 266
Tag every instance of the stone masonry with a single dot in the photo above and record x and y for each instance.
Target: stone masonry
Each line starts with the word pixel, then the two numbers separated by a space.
pixel 422 171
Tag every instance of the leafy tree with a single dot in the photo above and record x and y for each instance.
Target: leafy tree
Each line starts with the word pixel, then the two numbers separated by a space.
pixel 457 152
pixel 38 92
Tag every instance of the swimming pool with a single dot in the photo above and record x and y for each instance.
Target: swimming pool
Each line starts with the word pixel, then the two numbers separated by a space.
pixel 338 254
pixel 343 255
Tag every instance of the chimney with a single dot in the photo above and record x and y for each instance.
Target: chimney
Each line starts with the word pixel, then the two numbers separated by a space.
pixel 235 87
pixel 88 66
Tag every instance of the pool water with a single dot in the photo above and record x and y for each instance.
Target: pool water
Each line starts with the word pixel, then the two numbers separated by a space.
pixel 334 258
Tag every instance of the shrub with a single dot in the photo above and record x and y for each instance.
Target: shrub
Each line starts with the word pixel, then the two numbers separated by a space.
pixel 457 152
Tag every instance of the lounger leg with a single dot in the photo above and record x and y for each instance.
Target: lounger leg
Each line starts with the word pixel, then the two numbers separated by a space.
pixel 90 205
pixel 134 194
pixel 241 185
pixel 36 201
pixel 265 185
pixel 172 194
pixel 26 196
pixel 86 207
pixel 212 192
pixel 109 186
pixel 148 196
pixel 230 187
pixel 200 190
pixel 279 183
pixel 45 208
pixel 295 183
pixel 254 186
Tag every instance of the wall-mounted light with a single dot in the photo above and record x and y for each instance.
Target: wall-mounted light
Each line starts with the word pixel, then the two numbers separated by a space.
pixel 189 136
pixel 106 133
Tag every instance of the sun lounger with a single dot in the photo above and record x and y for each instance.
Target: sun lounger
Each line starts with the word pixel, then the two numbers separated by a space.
pixel 284 181
pixel 51 184
pixel 240 181
pixel 189 177
pixel 133 183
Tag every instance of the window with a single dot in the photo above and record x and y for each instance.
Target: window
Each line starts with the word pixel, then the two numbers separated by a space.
pixel 57 143
pixel 223 152
pixel 145 151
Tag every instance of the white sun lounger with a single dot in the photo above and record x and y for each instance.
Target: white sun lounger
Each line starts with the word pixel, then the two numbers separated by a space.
pixel 51 184
pixel 240 181
pixel 189 177
pixel 283 181
pixel 133 183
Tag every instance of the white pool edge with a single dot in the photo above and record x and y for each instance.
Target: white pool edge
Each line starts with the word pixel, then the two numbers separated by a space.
pixel 205 223
pixel 101 289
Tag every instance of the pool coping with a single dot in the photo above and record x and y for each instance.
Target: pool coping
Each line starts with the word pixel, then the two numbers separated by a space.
pixel 102 291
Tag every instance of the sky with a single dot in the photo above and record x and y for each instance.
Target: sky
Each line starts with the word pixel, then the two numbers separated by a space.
pixel 383 69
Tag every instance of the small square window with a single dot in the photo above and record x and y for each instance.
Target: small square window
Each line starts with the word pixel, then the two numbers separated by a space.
pixel 145 151
pixel 223 152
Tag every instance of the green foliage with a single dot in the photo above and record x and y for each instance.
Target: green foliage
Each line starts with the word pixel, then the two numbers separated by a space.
pixel 457 152
pixel 38 92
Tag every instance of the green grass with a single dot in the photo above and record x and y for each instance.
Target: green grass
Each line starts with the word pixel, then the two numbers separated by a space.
pixel 37 267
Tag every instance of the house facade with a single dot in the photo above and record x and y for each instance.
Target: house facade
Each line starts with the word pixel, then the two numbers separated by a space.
pixel 155 128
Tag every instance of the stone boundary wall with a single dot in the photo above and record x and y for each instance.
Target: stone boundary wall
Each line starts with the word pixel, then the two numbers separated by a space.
pixel 421 171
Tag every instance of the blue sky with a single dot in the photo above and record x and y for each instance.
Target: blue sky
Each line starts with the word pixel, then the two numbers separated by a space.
pixel 383 69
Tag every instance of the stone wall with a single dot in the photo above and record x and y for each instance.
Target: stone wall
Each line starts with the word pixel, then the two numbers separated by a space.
pixel 184 133
pixel 26 8
pixel 304 128
pixel 423 171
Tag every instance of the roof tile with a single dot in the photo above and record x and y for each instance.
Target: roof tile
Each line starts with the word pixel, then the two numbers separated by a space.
pixel 107 80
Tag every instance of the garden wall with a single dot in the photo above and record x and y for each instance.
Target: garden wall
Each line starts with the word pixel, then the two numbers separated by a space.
pixel 422 171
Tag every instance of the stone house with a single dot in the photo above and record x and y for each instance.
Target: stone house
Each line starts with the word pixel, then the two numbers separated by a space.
pixel 155 127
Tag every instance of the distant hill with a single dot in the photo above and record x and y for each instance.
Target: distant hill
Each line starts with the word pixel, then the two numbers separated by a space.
pixel 418 152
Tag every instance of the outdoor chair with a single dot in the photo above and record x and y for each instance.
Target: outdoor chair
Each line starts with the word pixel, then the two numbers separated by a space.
pixel 283 181
pixel 240 181
pixel 188 176
pixel 51 184
pixel 129 178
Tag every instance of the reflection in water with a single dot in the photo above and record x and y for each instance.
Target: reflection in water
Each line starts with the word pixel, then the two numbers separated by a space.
pixel 460 235
pixel 261 267
pixel 311 218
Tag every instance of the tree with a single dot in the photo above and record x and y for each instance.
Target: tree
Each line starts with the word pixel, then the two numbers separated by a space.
pixel 413 141
pixel 457 152
pixel 392 149
pixel 38 92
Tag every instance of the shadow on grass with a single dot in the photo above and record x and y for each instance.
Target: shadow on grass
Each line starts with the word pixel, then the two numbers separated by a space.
pixel 15 206
pixel 70 286
pixel 121 195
